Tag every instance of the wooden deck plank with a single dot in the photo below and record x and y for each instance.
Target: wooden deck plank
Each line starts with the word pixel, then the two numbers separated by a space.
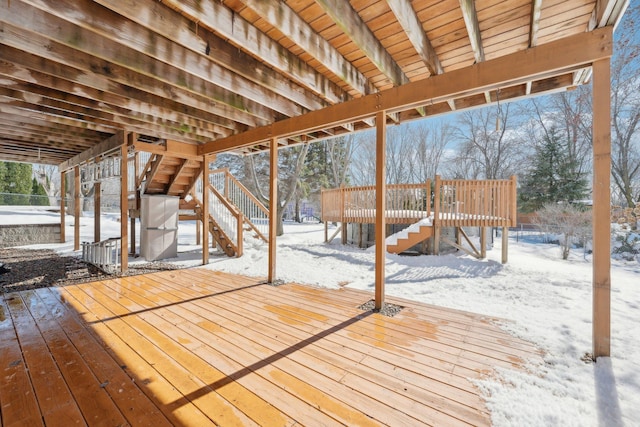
pixel 153 383
pixel 272 326
pixel 461 348
pixel 199 347
pixel 57 404
pixel 243 398
pixel 47 339
pixel 211 404
pixel 135 405
pixel 294 376
pixel 19 406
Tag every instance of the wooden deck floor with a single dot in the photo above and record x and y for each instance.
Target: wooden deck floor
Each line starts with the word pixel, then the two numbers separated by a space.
pixel 197 347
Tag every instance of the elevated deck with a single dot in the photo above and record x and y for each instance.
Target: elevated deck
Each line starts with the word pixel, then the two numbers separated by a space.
pixel 450 203
pixel 197 347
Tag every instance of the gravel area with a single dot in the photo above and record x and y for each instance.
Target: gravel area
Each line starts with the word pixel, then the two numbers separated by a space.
pixel 388 309
pixel 24 269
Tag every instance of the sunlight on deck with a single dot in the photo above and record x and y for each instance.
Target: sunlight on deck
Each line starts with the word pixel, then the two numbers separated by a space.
pixel 198 347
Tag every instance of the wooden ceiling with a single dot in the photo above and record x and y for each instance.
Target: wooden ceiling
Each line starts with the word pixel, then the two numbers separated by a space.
pixel 75 72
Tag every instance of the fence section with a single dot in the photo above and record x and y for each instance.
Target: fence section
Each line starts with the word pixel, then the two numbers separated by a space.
pixel 475 203
pixel 456 203
pixel 404 204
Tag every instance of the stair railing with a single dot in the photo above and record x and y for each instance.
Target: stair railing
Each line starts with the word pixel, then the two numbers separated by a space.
pixel 227 217
pixel 256 215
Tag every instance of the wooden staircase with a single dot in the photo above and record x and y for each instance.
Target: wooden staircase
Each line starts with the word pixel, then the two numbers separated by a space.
pixel 410 237
pixel 174 169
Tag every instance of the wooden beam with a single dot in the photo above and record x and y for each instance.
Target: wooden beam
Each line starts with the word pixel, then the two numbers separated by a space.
pixel 124 200
pixel 213 15
pixel 179 29
pixel 63 213
pixel 286 20
pixel 273 208
pixel 96 211
pixel 32 102
pixel 159 158
pixel 36 70
pixel 343 14
pixel 381 207
pixel 468 8
pixel 105 146
pixel 176 149
pixel 76 208
pixel 204 172
pixel 172 181
pixel 145 52
pixel 601 208
pixel 193 93
pixel 542 61
pixel 406 16
pixel 534 26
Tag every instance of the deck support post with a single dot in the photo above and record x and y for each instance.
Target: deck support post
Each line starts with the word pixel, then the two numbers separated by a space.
pixel 326 231
pixel 205 211
pixel 505 244
pixel 198 236
pixel 63 213
pixel 381 184
pixel 483 242
pixel 76 208
pixel 97 189
pixel 436 216
pixel 601 208
pixel 124 200
pixel 273 208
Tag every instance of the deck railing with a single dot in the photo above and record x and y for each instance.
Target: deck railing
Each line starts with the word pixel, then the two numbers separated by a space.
pixel 105 255
pixel 490 203
pixel 405 203
pixel 256 215
pixel 479 203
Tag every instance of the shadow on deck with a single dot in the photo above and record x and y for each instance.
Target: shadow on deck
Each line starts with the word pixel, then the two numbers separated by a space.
pixel 198 347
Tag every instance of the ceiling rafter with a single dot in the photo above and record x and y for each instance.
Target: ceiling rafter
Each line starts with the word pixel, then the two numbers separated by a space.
pixel 468 8
pixel 357 30
pixel 282 17
pixel 406 16
pixel 145 53
pixel 536 11
pixel 38 73
pixel 223 21
pixel 198 39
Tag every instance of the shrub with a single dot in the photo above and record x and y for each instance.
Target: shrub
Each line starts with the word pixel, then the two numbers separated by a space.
pixel 571 222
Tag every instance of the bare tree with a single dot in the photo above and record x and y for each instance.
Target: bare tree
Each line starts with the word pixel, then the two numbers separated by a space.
pixel 486 143
pixel 429 141
pixel 625 111
pixel 340 152
pixel 49 177
pixel 290 166
pixel 569 221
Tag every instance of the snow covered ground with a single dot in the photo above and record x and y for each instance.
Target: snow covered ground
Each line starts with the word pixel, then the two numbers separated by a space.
pixel 547 301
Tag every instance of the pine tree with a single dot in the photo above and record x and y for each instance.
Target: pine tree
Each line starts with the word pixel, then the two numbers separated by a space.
pixel 554 177
pixel 38 194
pixel 17 182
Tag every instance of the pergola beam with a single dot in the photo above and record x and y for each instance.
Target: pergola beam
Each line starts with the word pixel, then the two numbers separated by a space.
pixel 468 8
pixel 406 16
pixel 534 26
pixel 357 30
pixel 546 60
pixel 213 15
pixel 286 20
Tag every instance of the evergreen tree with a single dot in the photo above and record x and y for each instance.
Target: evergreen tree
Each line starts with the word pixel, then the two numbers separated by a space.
pixel 38 194
pixel 17 183
pixel 554 177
